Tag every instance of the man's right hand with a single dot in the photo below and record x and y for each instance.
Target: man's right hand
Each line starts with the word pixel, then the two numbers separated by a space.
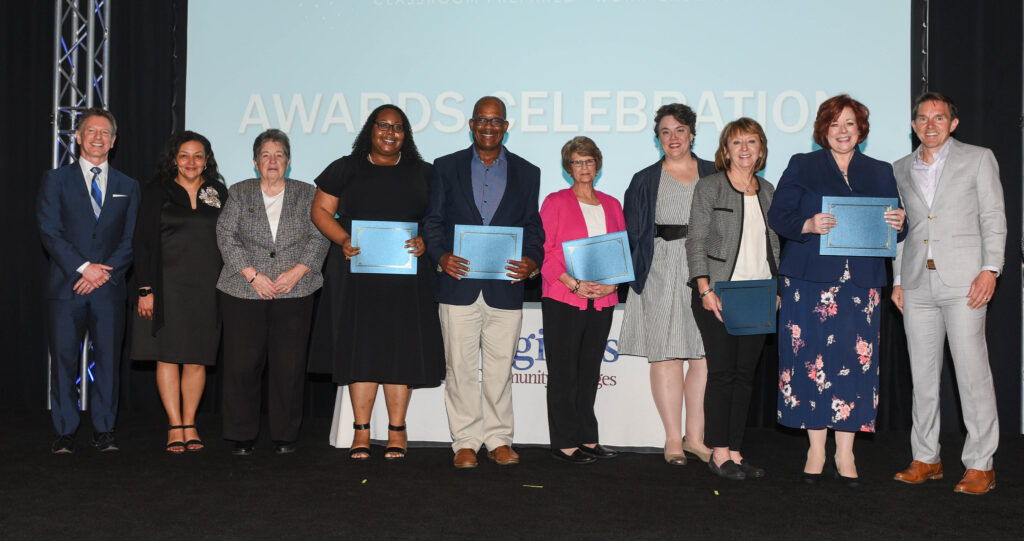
pixel 897 297
pixel 454 266
pixel 96 274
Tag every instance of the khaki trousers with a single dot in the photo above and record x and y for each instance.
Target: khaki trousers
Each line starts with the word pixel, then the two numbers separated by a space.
pixel 479 344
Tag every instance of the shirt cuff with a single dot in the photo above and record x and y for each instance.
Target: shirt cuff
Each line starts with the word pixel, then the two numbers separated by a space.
pixel 993 269
pixel 895 280
pixel 81 269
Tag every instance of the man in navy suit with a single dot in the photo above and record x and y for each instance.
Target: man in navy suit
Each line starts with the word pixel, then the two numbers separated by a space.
pixel 482 185
pixel 86 212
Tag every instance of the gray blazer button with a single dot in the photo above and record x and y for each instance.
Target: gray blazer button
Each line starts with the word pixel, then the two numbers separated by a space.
pixel 272 254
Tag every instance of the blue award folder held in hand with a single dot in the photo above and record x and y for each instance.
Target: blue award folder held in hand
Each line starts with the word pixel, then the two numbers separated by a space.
pixel 604 259
pixel 488 249
pixel 748 306
pixel 860 228
pixel 382 247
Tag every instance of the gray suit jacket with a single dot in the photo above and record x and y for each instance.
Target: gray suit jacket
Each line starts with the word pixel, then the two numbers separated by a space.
pixel 965 225
pixel 716 225
pixel 243 235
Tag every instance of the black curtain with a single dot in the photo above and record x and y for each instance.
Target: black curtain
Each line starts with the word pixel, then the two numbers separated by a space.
pixel 975 56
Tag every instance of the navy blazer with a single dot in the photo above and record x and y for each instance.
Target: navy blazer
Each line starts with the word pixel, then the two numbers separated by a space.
pixel 72 235
pixel 806 179
pixel 451 202
pixel 638 207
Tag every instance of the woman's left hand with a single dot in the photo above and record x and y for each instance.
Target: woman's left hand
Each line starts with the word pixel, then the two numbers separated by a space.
pixel 287 280
pixel 896 218
pixel 416 246
pixel 594 290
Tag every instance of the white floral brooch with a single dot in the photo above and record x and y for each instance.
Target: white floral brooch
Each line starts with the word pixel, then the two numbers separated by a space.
pixel 209 196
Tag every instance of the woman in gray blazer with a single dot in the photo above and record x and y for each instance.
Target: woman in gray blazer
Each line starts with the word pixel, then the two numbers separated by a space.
pixel 729 240
pixel 272 259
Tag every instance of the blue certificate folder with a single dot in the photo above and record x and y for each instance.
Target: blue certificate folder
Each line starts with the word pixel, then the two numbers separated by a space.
pixel 748 306
pixel 860 228
pixel 604 259
pixel 488 249
pixel 382 247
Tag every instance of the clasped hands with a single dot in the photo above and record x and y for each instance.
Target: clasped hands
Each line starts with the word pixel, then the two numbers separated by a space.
pixel 457 267
pixel 93 276
pixel 585 289
pixel 822 222
pixel 283 284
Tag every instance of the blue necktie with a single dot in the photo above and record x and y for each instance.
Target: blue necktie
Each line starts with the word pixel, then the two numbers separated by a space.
pixel 97 195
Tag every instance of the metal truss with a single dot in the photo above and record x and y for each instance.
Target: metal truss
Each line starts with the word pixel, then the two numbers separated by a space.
pixel 81 55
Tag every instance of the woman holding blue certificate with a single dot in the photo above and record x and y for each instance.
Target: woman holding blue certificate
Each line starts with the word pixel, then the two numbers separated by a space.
pixel 829 319
pixel 376 329
pixel 730 241
pixel 577 313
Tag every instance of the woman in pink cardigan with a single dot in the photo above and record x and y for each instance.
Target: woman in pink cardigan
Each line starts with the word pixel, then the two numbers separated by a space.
pixel 577 314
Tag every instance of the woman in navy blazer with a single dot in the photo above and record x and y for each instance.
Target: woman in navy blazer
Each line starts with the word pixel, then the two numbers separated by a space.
pixel 829 319
pixel 577 314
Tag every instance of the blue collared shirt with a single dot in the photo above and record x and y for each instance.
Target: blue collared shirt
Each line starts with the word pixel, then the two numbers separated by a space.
pixel 488 183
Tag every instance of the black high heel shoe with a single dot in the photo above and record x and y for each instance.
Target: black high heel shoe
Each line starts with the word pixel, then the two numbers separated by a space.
pixel 365 451
pixel 397 452
pixel 852 482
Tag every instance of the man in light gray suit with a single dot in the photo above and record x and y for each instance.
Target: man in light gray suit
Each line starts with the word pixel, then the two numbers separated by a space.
pixel 945 272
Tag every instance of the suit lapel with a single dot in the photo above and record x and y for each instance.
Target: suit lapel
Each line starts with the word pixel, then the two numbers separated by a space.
pixel 906 172
pixel 510 187
pixel 287 224
pixel 948 169
pixel 260 220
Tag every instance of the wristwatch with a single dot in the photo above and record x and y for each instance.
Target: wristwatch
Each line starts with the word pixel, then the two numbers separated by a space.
pixel 144 291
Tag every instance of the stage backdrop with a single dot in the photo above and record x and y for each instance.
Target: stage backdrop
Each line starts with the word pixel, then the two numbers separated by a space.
pixel 598 68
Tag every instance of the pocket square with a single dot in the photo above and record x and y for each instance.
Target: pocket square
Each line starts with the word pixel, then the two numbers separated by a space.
pixel 118 195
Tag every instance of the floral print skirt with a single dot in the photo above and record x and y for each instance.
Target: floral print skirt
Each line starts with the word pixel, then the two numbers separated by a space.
pixel 828 355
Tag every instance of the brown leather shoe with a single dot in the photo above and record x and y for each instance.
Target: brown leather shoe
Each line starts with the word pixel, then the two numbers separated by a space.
pixel 919 472
pixel 976 482
pixel 504 456
pixel 465 458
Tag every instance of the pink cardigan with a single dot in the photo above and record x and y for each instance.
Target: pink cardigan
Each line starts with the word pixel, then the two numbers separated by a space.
pixel 563 220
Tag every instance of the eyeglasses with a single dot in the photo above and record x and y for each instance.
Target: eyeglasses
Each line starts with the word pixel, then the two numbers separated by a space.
pixel 581 164
pixel 495 122
pixel 387 126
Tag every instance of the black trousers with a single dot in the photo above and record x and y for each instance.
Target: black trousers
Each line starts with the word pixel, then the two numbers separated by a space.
pixel 258 334
pixel 574 344
pixel 732 361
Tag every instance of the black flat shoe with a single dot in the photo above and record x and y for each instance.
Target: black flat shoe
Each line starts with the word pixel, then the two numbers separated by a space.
pixel 244 448
pixel 810 478
pixel 575 458
pixel 728 470
pixel 852 482
pixel 751 471
pixel 284 447
pixel 598 451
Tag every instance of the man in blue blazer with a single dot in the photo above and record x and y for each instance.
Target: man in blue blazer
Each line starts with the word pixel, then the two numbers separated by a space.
pixel 86 212
pixel 482 185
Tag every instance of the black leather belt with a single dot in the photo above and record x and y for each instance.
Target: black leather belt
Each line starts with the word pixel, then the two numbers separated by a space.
pixel 670 232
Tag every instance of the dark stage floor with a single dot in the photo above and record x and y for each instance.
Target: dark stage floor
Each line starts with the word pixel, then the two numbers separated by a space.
pixel 142 492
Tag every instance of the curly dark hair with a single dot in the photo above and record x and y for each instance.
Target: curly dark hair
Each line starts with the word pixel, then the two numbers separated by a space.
pixel 682 113
pixel 362 146
pixel 166 168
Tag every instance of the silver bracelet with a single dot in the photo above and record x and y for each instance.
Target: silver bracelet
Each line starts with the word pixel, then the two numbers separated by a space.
pixel 706 292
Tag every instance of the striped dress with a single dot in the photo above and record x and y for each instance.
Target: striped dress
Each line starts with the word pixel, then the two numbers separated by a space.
pixel 658 323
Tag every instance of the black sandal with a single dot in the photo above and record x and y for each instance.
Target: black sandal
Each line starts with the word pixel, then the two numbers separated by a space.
pixel 352 452
pixel 399 451
pixel 193 442
pixel 170 448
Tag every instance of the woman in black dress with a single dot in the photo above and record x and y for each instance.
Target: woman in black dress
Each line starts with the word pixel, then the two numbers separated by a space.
pixel 176 265
pixel 376 329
